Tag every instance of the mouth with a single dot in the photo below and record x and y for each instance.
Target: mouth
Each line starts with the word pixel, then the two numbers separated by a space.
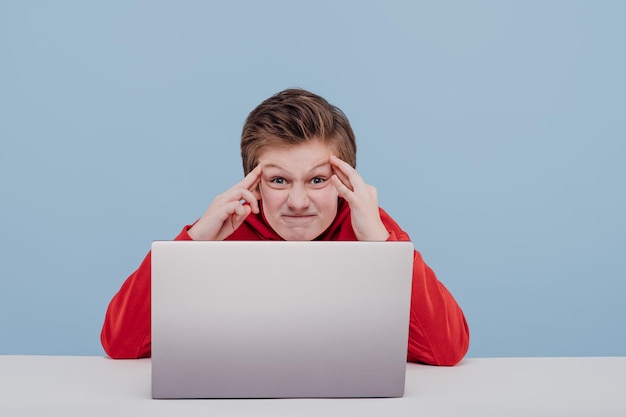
pixel 298 218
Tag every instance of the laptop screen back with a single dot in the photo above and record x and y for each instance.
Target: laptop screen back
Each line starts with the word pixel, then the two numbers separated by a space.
pixel 280 319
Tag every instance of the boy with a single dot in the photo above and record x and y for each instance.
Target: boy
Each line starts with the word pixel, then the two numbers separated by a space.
pixel 299 159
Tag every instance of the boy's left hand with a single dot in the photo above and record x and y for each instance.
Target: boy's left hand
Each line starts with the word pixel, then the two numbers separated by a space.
pixel 363 201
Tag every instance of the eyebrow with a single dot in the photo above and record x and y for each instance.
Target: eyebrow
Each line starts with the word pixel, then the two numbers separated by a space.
pixel 272 165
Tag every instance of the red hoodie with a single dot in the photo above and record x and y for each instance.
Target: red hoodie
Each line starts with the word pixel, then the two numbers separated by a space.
pixel 438 331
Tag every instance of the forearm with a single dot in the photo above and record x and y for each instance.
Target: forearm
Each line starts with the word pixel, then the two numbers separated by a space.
pixel 438 331
pixel 126 329
pixel 126 332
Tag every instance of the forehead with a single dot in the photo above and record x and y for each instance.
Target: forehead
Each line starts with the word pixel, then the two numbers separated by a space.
pixel 312 151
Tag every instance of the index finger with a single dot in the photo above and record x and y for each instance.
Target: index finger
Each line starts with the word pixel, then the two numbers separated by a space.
pixel 251 181
pixel 345 172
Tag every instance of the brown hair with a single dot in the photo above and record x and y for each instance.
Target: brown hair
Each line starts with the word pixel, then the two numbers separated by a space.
pixel 292 117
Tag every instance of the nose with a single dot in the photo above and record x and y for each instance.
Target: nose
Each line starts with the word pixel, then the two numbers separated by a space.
pixel 298 198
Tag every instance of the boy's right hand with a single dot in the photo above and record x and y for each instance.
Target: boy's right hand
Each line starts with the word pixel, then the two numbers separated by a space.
pixel 229 210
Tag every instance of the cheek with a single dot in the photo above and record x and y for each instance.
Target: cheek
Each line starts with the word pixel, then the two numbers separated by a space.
pixel 271 198
pixel 326 199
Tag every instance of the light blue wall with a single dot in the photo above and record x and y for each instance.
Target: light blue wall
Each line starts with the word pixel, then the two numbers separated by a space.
pixel 494 132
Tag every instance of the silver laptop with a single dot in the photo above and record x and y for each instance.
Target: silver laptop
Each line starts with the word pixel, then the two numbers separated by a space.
pixel 280 319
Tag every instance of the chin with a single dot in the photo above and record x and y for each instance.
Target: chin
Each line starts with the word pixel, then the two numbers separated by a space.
pixel 299 236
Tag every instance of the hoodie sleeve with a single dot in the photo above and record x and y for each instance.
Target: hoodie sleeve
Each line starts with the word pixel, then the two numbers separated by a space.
pixel 126 332
pixel 438 331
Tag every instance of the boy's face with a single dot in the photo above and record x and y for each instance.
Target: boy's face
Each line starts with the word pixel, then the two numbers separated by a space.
pixel 298 198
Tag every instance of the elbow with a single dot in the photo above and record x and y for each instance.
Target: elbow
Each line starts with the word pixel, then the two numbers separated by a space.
pixel 452 358
pixel 445 350
pixel 112 348
pixel 117 347
pixel 457 349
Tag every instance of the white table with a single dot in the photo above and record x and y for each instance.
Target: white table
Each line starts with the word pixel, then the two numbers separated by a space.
pixel 96 386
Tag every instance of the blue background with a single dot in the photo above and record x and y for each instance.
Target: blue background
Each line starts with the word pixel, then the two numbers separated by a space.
pixel 493 130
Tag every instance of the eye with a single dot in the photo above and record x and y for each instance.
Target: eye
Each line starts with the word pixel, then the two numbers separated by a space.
pixel 278 180
pixel 318 180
